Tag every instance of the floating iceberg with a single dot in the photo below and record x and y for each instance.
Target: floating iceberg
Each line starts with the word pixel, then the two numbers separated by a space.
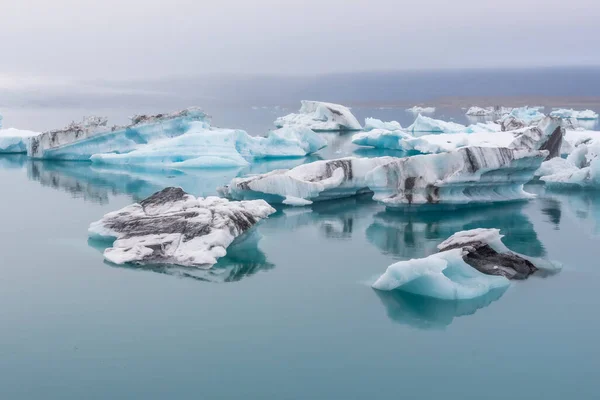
pixel 15 140
pixel 421 110
pixel 467 175
pixel 320 116
pixel 204 147
pixel 581 169
pixel 481 135
pixel 427 124
pixel 1 118
pixel 470 264
pixel 173 227
pixel 574 114
pixel 521 117
pixel 373 123
pixel 79 141
pixel 496 111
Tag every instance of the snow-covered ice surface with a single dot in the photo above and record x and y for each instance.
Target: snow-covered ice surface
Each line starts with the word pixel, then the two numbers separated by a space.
pixel 320 116
pixel 421 110
pixel 468 175
pixel 15 140
pixel 206 147
pixel 470 264
pixel 173 227
pixel 574 114
pixel 79 141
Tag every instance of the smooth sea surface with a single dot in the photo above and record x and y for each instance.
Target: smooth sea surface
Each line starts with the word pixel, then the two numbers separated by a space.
pixel 289 313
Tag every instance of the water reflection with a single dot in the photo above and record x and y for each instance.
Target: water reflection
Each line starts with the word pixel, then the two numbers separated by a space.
pixel 96 183
pixel 428 313
pixel 12 161
pixel 415 235
pixel 243 260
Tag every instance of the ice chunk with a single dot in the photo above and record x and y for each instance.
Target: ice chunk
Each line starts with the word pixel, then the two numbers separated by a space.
pixel 202 147
pixel 495 111
pixel 79 141
pixel 521 117
pixel 470 264
pixel 427 124
pixel 482 135
pixel 581 169
pixel 15 140
pixel 473 174
pixel 173 227
pixel 421 110
pixel 443 276
pixel 574 114
pixel 372 123
pixel 320 116
pixel 1 118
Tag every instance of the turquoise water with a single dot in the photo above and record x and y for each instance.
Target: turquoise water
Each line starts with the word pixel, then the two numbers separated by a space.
pixel 289 314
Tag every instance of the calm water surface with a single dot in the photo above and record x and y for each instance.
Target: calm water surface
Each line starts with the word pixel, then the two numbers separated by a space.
pixel 289 313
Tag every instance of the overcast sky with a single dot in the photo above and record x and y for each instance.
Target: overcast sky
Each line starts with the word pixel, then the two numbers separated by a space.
pixel 121 39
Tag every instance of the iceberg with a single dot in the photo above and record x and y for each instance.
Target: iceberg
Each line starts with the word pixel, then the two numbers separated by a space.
pixel 521 117
pixel 573 114
pixel 470 264
pixel 581 169
pixel 321 117
pixel 480 135
pixel 79 141
pixel 421 110
pixel 427 124
pixel 205 147
pixel 1 118
pixel 173 227
pixel 15 140
pixel 467 175
pixel 373 123
pixel 488 111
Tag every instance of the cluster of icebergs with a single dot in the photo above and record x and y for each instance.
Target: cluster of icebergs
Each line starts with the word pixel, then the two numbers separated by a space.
pixel 453 165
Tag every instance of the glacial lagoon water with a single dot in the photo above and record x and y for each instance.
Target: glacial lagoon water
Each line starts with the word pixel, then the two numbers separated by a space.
pixel 289 313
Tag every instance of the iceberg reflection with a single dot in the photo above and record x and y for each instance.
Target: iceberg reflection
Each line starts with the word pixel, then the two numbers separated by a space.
pixel 414 235
pixel 243 260
pixel 428 313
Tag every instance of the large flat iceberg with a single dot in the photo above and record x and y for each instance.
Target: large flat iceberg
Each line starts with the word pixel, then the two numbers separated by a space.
pixel 320 116
pixel 15 140
pixel 481 135
pixel 470 264
pixel 79 141
pixel 574 114
pixel 206 147
pixel 496 111
pixel 421 110
pixel 173 227
pixel 468 175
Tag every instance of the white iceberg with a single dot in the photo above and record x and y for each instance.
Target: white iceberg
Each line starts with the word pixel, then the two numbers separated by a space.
pixel 173 227
pixel 373 123
pixel 205 147
pixel 427 124
pixel 574 114
pixel 581 169
pixel 470 264
pixel 15 140
pixel 79 141
pixel 421 110
pixel 496 111
pixel 521 117
pixel 481 135
pixel 467 175
pixel 320 116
